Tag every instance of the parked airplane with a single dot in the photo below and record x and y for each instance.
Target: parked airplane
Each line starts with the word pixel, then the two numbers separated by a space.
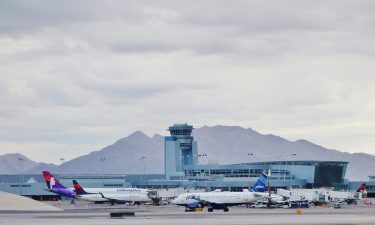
pixel 270 199
pixel 349 197
pixel 106 195
pixel 221 200
pixel 362 189
pixel 54 186
pixel 273 200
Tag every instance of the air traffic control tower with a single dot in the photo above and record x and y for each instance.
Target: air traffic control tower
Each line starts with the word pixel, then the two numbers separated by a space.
pixel 180 150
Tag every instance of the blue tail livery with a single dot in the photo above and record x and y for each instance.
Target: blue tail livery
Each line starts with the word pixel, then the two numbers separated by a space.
pixel 260 184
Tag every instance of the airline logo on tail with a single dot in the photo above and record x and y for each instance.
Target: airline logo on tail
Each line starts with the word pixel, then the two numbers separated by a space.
pixel 78 188
pixel 54 186
pixel 362 188
pixel 260 184
pixel 51 181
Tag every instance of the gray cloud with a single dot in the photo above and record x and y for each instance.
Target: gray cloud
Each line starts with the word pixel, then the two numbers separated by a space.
pixel 22 17
pixel 80 75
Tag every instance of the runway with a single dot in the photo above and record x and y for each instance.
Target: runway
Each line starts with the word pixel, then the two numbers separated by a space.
pixel 175 215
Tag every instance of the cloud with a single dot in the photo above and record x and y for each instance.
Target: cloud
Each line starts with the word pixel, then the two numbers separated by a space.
pixel 87 73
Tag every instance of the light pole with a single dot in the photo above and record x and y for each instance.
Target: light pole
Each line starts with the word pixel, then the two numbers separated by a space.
pixel 102 159
pixel 203 155
pixel 195 166
pixel 286 161
pixel 264 157
pixel 182 166
pixel 203 179
pixel 62 159
pixel 188 165
pixel 269 161
pixel 291 176
pixel 144 169
pixel 250 155
pixel 21 160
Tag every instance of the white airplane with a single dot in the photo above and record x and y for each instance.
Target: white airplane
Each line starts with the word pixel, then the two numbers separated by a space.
pixel 273 200
pixel 111 194
pixel 53 185
pixel 221 200
pixel 118 190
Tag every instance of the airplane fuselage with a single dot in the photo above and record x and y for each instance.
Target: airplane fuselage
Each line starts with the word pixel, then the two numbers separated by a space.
pixel 66 192
pixel 117 190
pixel 97 197
pixel 219 198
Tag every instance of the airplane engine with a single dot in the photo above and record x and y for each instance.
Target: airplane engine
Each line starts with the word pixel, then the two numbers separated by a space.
pixel 192 206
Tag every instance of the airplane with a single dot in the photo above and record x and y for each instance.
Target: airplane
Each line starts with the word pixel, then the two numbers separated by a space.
pixel 48 176
pixel 106 195
pixel 273 200
pixel 351 197
pixel 221 200
pixel 54 186
pixel 362 189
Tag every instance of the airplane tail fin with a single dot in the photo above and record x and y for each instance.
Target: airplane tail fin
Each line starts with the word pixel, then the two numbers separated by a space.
pixel 260 184
pixel 362 188
pixel 51 181
pixel 78 188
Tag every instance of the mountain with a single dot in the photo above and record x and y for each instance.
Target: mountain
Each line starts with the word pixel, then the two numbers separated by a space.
pixel 222 144
pixel 232 144
pixel 14 163
pixel 124 156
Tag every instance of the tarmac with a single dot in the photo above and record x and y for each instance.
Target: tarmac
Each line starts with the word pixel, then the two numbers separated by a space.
pixel 86 213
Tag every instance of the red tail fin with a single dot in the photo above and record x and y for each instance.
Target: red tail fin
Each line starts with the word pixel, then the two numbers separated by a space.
pixel 78 189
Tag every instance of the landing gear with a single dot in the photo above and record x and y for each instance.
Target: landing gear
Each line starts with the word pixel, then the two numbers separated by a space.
pixel 211 209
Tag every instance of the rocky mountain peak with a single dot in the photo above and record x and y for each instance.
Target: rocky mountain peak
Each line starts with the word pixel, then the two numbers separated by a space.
pixel 222 144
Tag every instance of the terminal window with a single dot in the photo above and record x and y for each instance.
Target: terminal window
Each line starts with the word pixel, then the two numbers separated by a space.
pixel 328 175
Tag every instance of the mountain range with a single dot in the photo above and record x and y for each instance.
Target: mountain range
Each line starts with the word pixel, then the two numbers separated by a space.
pixel 221 144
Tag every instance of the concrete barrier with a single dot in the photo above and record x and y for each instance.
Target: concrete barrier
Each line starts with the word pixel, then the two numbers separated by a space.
pixel 121 214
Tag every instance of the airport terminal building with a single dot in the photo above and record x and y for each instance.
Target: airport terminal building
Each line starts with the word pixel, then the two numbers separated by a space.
pixel 181 157
pixel 182 170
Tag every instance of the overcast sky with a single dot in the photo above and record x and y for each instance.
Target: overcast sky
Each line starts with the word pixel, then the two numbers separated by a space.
pixel 75 76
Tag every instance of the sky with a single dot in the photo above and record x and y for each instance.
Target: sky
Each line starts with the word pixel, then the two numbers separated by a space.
pixel 75 76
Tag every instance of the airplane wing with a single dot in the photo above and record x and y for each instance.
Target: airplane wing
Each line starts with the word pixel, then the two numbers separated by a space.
pixel 204 201
pixel 110 199
pixel 215 203
pixel 266 201
pixel 257 195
